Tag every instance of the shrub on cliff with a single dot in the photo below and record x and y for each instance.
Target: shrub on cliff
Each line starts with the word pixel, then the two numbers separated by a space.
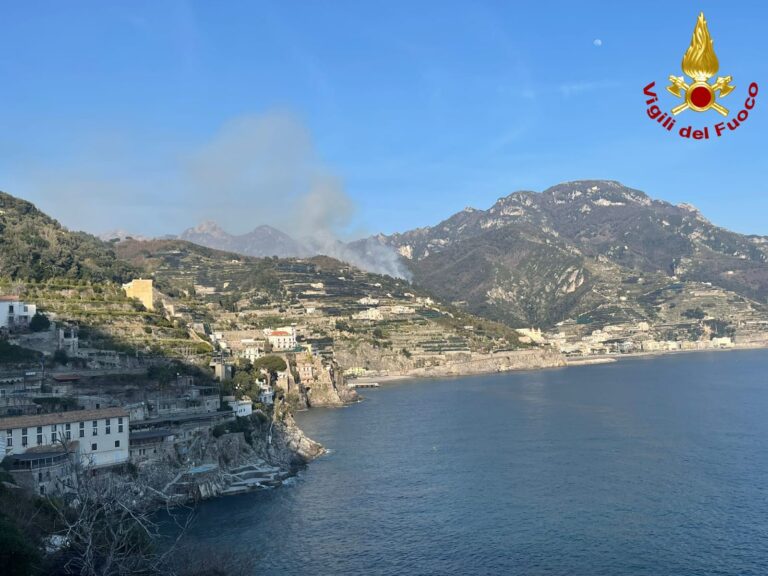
pixel 39 323
pixel 10 353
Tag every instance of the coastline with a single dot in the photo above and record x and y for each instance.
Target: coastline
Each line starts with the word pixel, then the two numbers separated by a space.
pixel 293 450
pixel 605 358
pixel 529 359
pixel 566 362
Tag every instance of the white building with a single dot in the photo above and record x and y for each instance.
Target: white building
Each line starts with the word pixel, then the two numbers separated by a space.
pixel 266 396
pixel 283 338
pixel 100 436
pixel 533 334
pixel 14 312
pixel 400 309
pixel 252 349
pixel 368 314
pixel 242 408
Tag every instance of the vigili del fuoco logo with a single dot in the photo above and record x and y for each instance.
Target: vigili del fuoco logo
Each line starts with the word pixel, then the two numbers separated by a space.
pixel 698 94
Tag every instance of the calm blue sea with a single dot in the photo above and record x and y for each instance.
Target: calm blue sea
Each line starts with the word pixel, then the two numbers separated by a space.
pixel 642 467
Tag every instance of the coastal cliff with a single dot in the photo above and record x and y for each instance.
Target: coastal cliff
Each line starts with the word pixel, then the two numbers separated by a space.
pixel 329 388
pixel 238 456
pixel 500 362
pixel 462 364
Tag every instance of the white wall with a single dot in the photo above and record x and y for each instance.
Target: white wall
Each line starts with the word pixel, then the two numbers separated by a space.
pixel 22 313
pixel 106 453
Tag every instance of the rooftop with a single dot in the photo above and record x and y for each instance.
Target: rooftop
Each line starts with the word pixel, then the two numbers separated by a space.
pixel 66 377
pixel 31 456
pixel 150 434
pixel 60 418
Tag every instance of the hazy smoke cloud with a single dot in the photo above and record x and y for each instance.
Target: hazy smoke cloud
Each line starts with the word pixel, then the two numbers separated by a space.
pixel 258 169
pixel 264 170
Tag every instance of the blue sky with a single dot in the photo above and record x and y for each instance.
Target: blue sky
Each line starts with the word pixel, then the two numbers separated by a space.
pixel 151 116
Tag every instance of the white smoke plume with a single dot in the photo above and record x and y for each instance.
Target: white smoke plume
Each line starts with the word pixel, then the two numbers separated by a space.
pixel 264 170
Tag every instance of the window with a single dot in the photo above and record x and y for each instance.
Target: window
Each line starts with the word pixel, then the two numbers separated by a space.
pixel 42 490
pixel 95 427
pixel 68 431
pixel 53 433
pixel 108 424
pixel 10 309
pixel 117 443
pixel 120 425
pixel 39 476
pixel 9 438
pixel 39 435
pixel 94 447
pixel 82 429
pixel 23 436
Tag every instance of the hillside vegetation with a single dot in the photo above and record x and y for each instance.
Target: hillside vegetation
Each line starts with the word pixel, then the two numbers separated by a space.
pixel 34 246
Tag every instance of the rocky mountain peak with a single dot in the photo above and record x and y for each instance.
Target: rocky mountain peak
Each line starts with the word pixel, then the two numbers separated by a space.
pixel 206 227
pixel 536 256
pixel 599 192
pixel 264 240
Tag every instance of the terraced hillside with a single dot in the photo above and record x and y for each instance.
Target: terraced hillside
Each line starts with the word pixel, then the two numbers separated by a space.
pixel 106 319
pixel 378 320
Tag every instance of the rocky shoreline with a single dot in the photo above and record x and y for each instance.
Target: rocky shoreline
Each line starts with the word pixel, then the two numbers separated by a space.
pixel 258 453
pixel 270 451
pixel 527 360
pixel 533 359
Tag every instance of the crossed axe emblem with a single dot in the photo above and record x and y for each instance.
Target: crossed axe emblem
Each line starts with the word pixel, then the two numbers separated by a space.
pixel 700 95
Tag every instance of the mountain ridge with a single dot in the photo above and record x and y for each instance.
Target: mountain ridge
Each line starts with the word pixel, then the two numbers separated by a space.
pixel 590 234
pixel 262 241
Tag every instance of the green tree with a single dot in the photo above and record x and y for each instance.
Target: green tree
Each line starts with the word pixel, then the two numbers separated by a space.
pixel 272 364
pixel 694 313
pixel 39 323
pixel 245 365
pixel 242 380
